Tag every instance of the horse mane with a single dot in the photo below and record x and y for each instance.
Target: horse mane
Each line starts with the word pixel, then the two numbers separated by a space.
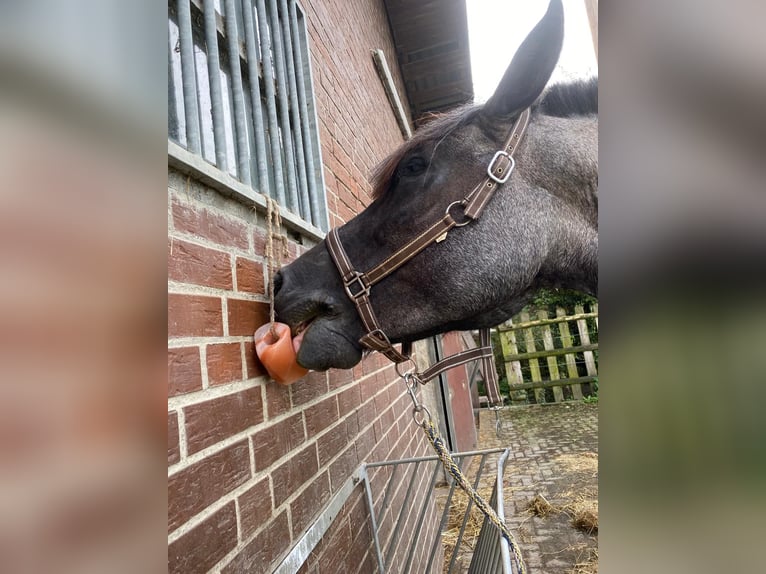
pixel 575 98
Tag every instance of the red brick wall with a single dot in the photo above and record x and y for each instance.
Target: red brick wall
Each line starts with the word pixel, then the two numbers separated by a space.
pixel 252 463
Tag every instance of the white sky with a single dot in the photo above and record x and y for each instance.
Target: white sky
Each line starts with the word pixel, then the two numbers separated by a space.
pixel 496 28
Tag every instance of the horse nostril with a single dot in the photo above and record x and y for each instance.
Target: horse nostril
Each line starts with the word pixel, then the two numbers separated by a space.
pixel 278 280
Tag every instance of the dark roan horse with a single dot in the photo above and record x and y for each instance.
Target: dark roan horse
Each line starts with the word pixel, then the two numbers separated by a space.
pixel 539 229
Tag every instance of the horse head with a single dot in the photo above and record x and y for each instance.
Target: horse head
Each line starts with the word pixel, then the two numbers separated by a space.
pixel 538 230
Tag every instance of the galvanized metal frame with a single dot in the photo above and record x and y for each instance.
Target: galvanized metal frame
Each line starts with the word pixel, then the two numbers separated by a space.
pixel 385 550
pixel 301 550
pixel 492 554
pixel 267 47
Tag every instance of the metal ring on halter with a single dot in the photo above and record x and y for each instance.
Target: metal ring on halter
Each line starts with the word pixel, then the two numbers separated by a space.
pixel 419 410
pixel 462 205
pixel 403 375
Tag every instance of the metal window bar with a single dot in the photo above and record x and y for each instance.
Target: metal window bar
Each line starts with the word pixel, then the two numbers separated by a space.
pixel 391 548
pixel 313 194
pixel 243 149
pixel 284 115
pixel 214 78
pixel 251 47
pixel 173 127
pixel 188 76
pixel 295 111
pixel 271 103
pixel 247 105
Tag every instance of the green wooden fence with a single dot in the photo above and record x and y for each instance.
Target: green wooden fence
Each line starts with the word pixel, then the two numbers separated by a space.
pixel 551 359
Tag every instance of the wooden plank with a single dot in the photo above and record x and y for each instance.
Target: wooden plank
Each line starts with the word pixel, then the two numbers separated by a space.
pixel 512 368
pixel 539 323
pixel 582 329
pixel 561 382
pixel 566 342
pixel 552 353
pixel 553 367
pixel 534 365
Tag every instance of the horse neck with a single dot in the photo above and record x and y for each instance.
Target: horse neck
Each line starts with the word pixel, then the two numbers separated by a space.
pixel 561 156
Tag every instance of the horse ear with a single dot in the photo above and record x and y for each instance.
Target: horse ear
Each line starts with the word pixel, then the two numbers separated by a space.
pixel 531 67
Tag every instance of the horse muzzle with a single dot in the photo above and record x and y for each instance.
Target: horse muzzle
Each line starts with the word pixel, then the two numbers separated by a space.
pixel 324 325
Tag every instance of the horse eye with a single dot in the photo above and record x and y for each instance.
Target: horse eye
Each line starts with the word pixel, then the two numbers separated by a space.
pixel 413 166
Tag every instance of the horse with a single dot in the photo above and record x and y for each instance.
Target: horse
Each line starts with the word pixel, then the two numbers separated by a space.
pixel 539 230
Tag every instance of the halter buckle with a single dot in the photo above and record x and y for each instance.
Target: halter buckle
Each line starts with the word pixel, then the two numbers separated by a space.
pixel 358 278
pixel 491 168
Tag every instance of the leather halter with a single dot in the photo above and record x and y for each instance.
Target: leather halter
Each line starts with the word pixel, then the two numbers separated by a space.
pixel 358 284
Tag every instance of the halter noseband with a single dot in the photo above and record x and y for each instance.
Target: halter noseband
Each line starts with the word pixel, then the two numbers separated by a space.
pixel 358 284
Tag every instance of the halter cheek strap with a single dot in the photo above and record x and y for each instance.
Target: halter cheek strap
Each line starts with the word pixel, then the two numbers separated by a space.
pixel 457 214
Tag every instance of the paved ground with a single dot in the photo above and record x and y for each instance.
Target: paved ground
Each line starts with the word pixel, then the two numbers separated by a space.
pixel 551 479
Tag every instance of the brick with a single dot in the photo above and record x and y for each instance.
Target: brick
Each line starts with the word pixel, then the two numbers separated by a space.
pixel 277 399
pixel 332 442
pixel 250 276
pixel 381 402
pixel 334 556
pixel 260 240
pixel 310 387
pixel 194 316
pixel 224 363
pixel 348 400
pixel 255 507
pixel 273 442
pixel 321 415
pixel 215 227
pixel 369 564
pixel 196 487
pixel 358 514
pixel 339 378
pixel 363 541
pixel 309 503
pixel 365 444
pixel 174 449
pixel 246 316
pixel 184 372
pixel 343 467
pixel 366 412
pixel 212 421
pixel 294 473
pixel 263 550
pixel 190 263
pixel 253 367
pixel 198 550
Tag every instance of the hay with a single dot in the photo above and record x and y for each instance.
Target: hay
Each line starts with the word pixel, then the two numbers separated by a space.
pixel 587 564
pixel 586 520
pixel 539 506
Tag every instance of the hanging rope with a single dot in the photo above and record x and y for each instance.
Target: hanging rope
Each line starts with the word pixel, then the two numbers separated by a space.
pixel 274 257
pixel 423 418
pixel 451 466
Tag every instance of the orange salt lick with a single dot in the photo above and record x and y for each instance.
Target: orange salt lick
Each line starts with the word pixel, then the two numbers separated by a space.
pixel 275 349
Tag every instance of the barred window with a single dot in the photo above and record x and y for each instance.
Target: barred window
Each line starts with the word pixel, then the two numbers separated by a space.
pixel 240 96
